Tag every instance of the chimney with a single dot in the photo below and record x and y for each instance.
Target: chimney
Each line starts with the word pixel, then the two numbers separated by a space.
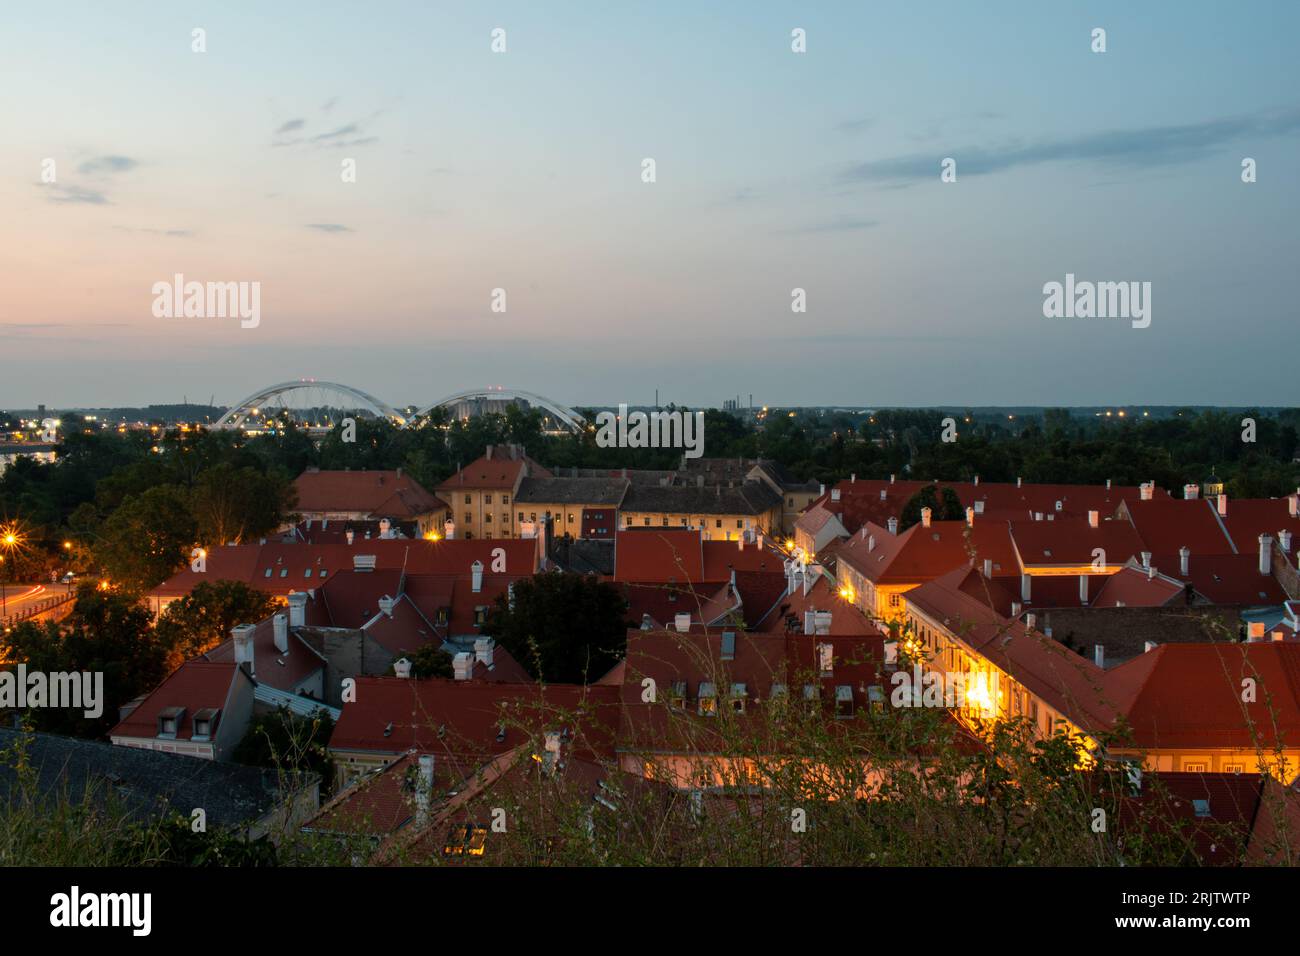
pixel 488 453
pixel 1265 554
pixel 1191 491
pixel 1284 541
pixel 1149 646
pixel 1060 505
pixel 462 665
pixel 385 528
pixel 1146 559
pixel 821 489
pixel 893 526
pixel 1223 505
pixel 483 648
pixel 835 494
pixel 386 606
pixel 977 480
pixel 424 790
pixel 1026 585
pixel 970 517
pixel 349 535
pixel 883 494
pixel 1094 519
pixel 809 622
pixel 1016 608
pixel 1151 572
pixel 682 622
pixel 1108 484
pixel 853 478
pixel 1145 490
pixel 891 481
pixel 1099 655
pixel 1293 504
pixel 402 667
pixel 298 609
pixel 1083 590
pixel 476 576
pixel 243 635
pixel 988 568
pixel 280 627
pixel 449 529
pixel 1031 621
pixel 871 542
pixel 1255 634
pixel 925 517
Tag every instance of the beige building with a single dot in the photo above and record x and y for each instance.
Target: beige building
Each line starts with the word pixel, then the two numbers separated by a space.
pixel 481 496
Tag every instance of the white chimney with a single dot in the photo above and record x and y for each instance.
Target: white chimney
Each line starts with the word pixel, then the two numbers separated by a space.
pixel 462 665
pixel 402 667
pixel 1031 621
pixel 925 517
pixel 871 542
pixel 1026 585
pixel 1293 504
pixel 386 606
pixel 1223 505
pixel 977 479
pixel 1099 655
pixel 883 494
pixel 1019 481
pixel 1151 572
pixel 891 481
pixel 809 622
pixel 424 790
pixel 988 568
pixel 243 636
pixel 349 535
pixel 1149 646
pixel 970 517
pixel 1255 632
pixel 1184 561
pixel 1146 559
pixel 1094 519
pixel 835 494
pixel 893 526
pixel 1284 540
pixel 385 528
pixel 853 478
pixel 1191 491
pixel 1145 490
pixel 1016 608
pixel 280 628
pixel 298 609
pixel 476 576
pixel 1108 484
pixel 821 489
pixel 682 622
pixel 483 650
pixel 1265 554
pixel 1083 589
pixel 740 542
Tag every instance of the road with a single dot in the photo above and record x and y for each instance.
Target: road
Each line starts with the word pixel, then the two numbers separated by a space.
pixel 19 597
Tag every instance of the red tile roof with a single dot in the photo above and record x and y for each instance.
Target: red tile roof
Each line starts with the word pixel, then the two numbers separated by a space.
pixel 282 671
pixel 493 473
pixel 1133 587
pixel 1224 578
pixel 389 494
pixel 659 555
pixel 1190 695
pixel 922 554
pixel 1071 542
pixel 1168 524
pixel 195 685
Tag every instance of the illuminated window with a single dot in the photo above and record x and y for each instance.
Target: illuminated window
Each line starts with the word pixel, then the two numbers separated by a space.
pixel 708 706
pixel 465 839
pixel 677 696
pixel 843 701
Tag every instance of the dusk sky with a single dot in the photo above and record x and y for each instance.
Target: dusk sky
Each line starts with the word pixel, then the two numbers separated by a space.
pixel 775 170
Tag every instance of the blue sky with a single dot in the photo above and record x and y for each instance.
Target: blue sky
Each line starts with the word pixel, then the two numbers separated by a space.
pixel 775 170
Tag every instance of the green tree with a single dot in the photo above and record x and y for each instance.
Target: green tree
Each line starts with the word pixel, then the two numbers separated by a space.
pixel 147 539
pixel 204 617
pixel 564 628
pixel 231 504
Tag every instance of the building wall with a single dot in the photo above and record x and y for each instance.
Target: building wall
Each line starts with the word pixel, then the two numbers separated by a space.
pixel 716 527
pixel 481 513
pixel 567 517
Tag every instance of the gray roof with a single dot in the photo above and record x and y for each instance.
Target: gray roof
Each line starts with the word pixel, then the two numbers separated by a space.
pixel 572 491
pixel 148 783
pixel 750 498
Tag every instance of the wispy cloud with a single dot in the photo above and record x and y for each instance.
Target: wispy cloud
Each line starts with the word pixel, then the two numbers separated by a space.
pixel 168 233
pixel 61 193
pixel 353 133
pixel 328 227
pixel 104 165
pixel 290 126
pixel 855 125
pixel 842 224
pixel 1151 146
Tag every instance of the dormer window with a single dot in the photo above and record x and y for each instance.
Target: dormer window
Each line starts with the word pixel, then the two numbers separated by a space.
pixel 677 696
pixel 728 645
pixel 205 724
pixel 169 722
pixel 708 704
pixel 480 615
pixel 738 692
pixel 843 701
